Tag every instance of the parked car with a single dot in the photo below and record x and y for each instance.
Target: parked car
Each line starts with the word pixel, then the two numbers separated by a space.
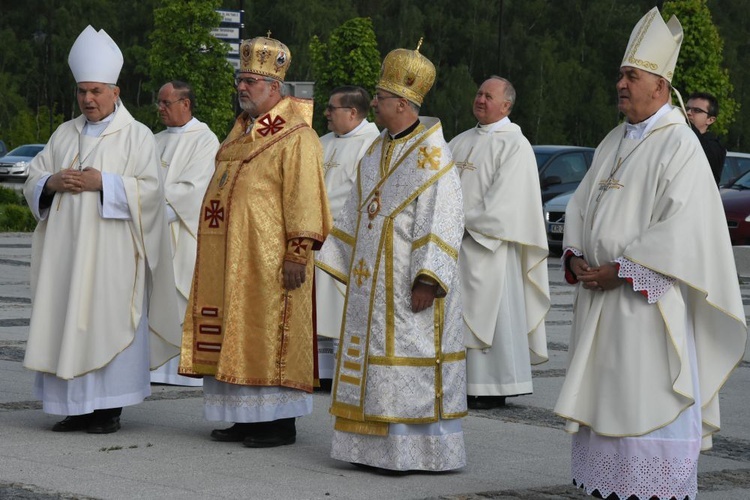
pixel 15 165
pixel 554 219
pixel 561 168
pixel 3 149
pixel 735 196
pixel 735 165
pixel 736 200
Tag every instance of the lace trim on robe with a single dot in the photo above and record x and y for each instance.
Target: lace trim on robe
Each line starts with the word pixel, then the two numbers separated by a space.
pixel 649 283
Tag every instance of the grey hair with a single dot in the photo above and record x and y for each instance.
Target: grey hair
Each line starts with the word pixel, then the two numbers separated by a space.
pixel 510 90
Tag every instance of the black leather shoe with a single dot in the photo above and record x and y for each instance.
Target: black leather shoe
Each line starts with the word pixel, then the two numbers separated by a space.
pixel 235 434
pixel 485 402
pixel 104 426
pixel 73 423
pixel 276 433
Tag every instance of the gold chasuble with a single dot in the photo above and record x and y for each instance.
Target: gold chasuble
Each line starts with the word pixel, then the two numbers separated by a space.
pixel 402 222
pixel 242 326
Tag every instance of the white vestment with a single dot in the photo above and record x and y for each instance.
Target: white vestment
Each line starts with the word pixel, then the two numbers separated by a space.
pixel 643 375
pixel 400 386
pixel 341 154
pixel 187 157
pixel 101 276
pixel 503 260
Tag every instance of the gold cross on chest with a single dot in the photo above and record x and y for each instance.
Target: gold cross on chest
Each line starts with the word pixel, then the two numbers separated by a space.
pixel 361 272
pixel 610 182
pixel 466 164
pixel 331 163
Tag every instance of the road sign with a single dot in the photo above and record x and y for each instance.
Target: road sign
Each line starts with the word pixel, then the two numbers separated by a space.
pixel 226 33
pixel 230 16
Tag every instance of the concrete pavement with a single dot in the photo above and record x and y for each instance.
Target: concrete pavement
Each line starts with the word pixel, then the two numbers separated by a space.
pixel 163 450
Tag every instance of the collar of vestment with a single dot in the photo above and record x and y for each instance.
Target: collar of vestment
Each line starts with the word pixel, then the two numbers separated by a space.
pixel 406 132
pixel 354 132
pixel 113 123
pixel 639 130
pixel 492 127
pixel 180 130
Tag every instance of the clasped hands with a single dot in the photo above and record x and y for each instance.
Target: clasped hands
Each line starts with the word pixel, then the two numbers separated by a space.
pixel 75 181
pixel 599 278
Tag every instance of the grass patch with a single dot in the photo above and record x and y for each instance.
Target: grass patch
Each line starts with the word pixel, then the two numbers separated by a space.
pixel 15 215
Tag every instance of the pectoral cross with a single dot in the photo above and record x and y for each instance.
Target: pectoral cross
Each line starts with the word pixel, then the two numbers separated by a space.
pixel 610 182
pixel 361 272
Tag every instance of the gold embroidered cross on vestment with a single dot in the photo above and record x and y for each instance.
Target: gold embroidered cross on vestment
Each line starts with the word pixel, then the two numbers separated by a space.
pixel 361 272
pixel 331 163
pixel 610 182
pixel 429 157
pixel 466 164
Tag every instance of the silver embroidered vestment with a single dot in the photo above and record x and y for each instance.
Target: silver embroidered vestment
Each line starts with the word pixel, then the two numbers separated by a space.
pixel 403 219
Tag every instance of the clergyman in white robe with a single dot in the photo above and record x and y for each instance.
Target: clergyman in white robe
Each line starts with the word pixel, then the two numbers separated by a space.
pixel 503 259
pixel 103 306
pixel 647 359
pixel 341 155
pixel 187 159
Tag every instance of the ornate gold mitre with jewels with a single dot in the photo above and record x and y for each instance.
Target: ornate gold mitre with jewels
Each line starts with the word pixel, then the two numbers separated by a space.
pixel 407 73
pixel 265 56
pixel 654 45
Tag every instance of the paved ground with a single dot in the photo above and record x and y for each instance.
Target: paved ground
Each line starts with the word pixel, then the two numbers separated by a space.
pixel 163 450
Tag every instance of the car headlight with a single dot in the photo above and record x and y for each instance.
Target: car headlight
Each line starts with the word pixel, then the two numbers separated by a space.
pixel 546 215
pixel 22 164
pixel 747 219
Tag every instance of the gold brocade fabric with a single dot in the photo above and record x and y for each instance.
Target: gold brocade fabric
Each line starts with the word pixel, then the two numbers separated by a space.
pixel 242 326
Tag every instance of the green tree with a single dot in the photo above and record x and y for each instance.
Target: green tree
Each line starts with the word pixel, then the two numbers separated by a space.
pixel 183 49
pixel 700 65
pixel 349 57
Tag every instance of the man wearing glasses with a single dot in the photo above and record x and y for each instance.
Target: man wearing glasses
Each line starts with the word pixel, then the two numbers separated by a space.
pixel 400 386
pixel 186 149
pixel 343 147
pixel 702 109
pixel 248 329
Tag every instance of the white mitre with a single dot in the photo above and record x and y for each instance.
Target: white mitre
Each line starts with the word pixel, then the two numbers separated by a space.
pixel 95 57
pixel 654 45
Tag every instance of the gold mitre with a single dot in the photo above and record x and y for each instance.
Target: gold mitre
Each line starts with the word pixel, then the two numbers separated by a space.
pixel 654 45
pixel 265 56
pixel 407 73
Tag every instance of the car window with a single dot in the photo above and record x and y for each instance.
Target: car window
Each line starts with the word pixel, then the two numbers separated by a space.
pixel 541 158
pixel 743 165
pixel 25 151
pixel 569 167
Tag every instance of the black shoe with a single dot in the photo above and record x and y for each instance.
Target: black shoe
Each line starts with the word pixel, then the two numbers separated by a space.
pixel 276 433
pixel 73 423
pixel 235 434
pixel 104 426
pixel 485 402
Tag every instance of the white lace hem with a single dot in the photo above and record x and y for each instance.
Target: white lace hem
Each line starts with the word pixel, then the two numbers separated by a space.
pixel 646 468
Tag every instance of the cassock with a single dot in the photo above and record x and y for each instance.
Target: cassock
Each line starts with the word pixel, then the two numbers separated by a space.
pixel 647 359
pixel 246 332
pixel 503 262
pixel 104 310
pixel 400 386
pixel 341 155
pixel 187 160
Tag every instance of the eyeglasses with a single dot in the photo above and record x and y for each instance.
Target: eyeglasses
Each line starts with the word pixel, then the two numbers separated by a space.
pixel 167 104
pixel 697 111
pixel 379 97
pixel 250 81
pixel 330 108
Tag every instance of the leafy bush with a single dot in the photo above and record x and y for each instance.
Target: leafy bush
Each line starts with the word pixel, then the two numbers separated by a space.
pixel 15 216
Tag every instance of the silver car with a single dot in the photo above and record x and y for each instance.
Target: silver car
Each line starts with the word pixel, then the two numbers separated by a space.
pixel 15 165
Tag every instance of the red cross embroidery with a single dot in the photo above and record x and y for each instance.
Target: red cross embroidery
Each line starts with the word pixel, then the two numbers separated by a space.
pixel 214 214
pixel 300 247
pixel 270 126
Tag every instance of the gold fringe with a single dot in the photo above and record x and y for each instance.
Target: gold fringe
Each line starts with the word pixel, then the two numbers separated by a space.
pixel 367 428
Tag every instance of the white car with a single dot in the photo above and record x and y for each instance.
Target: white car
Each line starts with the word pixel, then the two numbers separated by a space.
pixel 15 165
